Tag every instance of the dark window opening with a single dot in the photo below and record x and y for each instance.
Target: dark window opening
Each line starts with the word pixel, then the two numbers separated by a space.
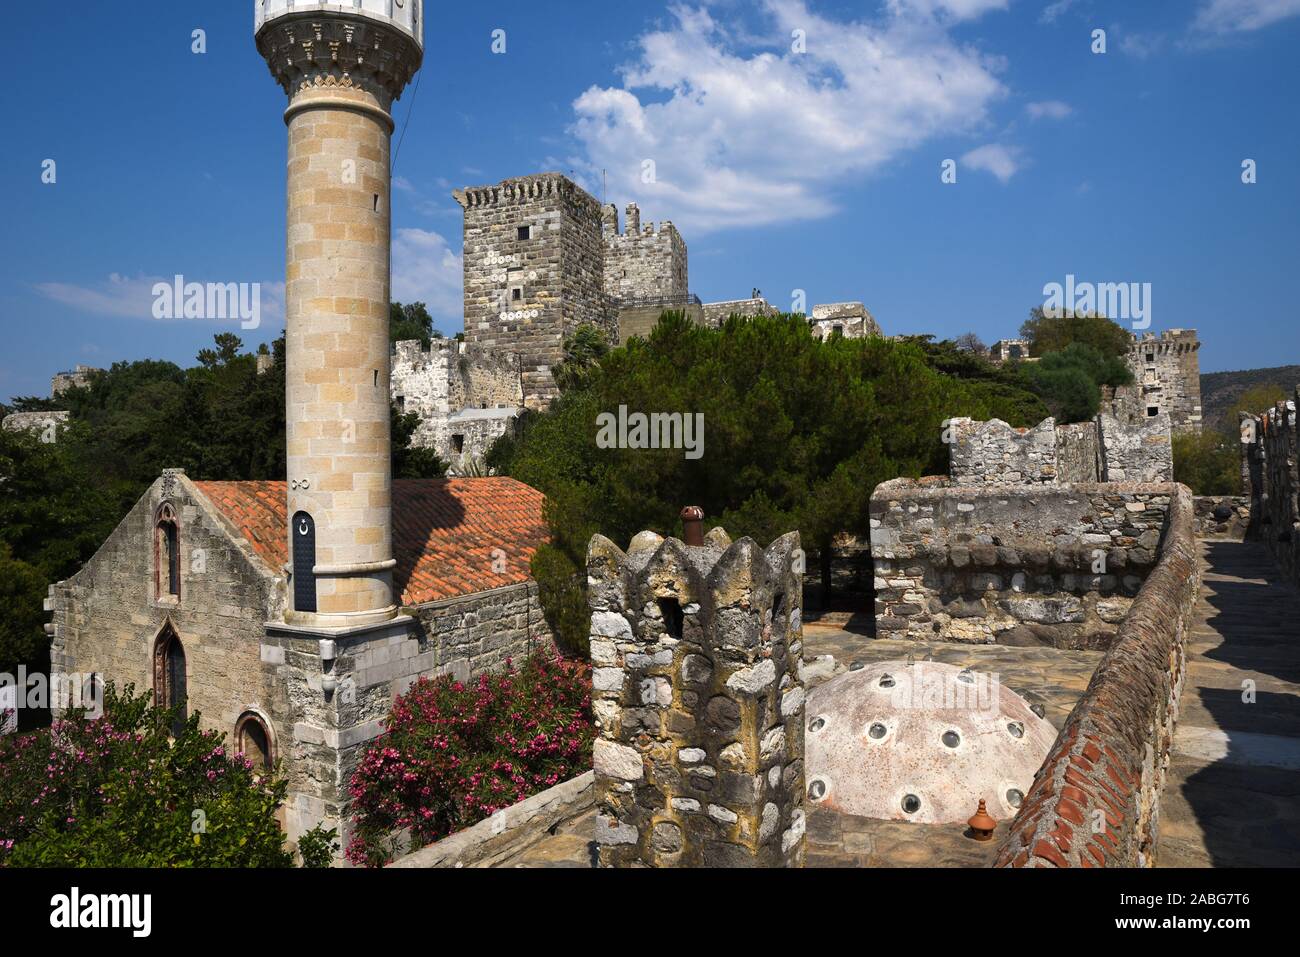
pixel 837 330
pixel 524 232
pixel 1151 357
pixel 778 605
pixel 167 552
pixel 1152 411
pixel 516 293
pixel 169 684
pixel 304 560
pixel 671 609
pixel 401 403
pixel 458 443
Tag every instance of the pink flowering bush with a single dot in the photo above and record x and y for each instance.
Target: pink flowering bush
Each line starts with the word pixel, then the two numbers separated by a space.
pixel 122 791
pixel 454 754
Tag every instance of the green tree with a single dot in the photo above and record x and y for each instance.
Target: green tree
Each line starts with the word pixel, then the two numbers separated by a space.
pixel 411 321
pixel 1070 381
pixel 797 434
pixel 1256 399
pixel 1209 463
pixel 582 352
pixel 1052 333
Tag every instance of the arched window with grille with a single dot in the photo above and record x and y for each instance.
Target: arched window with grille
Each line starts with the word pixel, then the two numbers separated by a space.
pixel 167 552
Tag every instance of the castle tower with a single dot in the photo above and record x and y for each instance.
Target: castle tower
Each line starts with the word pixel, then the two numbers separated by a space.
pixel 342 65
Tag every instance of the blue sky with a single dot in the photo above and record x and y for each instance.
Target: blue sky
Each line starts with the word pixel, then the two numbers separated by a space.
pixel 814 169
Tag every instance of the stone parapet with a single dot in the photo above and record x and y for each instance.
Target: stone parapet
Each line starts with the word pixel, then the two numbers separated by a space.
pixel 699 702
pixel 1271 480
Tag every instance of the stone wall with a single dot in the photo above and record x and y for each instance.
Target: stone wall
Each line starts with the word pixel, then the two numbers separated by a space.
pixel 1166 381
pixel 1270 477
pixel 640 320
pixel 698 701
pixel 716 313
pixel 47 424
pixel 995 452
pixel 1012 564
pixel 1106 449
pixel 534 254
pixel 78 378
pixel 1137 451
pixel 1095 801
pixel 848 319
pixel 108 617
pixel 644 261
pixel 465 396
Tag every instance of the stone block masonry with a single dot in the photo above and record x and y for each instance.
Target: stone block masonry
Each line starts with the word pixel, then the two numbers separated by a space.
pixel 1271 480
pixel 643 262
pixel 1012 564
pixel 1139 451
pixel 1095 801
pixel 534 272
pixel 698 700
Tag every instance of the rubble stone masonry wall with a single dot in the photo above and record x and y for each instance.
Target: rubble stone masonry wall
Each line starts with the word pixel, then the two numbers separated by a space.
pixel 643 262
pixel 1270 478
pixel 1012 564
pixel 1095 802
pixel 698 701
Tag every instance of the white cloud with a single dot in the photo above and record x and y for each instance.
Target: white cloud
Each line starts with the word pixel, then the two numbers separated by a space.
pixel 426 269
pixel 1238 16
pixel 132 297
pixel 1048 109
pixel 954 9
pixel 744 133
pixel 1001 161
pixel 1053 11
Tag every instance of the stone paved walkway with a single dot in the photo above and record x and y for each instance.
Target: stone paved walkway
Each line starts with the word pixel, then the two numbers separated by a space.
pixel 1232 797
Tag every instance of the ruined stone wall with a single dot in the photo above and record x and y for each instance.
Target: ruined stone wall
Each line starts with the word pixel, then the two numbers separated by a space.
pixel 78 378
pixel 1012 564
pixel 1136 451
pixel 995 452
pixel 848 319
pixel 1078 453
pixel 525 292
pixel 643 262
pixel 1095 801
pixel 1269 469
pixel 47 424
pixel 465 396
pixel 698 701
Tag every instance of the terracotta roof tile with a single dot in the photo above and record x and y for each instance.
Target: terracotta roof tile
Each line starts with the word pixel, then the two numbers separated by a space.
pixel 444 531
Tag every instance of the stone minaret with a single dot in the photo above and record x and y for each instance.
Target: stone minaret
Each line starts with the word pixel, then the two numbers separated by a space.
pixel 342 65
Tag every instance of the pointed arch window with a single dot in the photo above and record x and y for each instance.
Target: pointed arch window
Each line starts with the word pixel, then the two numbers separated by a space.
pixel 170 686
pixel 253 739
pixel 167 552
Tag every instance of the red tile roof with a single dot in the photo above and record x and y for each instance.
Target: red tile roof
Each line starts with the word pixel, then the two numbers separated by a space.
pixel 444 530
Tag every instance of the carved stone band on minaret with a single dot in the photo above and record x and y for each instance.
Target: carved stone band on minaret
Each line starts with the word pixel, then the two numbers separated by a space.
pixel 340 50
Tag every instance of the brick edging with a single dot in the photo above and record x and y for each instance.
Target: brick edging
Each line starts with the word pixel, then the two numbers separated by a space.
pixel 1095 800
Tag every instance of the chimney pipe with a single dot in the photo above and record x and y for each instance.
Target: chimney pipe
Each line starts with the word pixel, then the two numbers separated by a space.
pixel 693 525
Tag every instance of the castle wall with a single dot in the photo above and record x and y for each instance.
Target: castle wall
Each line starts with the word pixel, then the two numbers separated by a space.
pixel 1167 381
pixel 1107 450
pixel 698 701
pixel 643 262
pixel 848 319
pixel 995 452
pixel 1136 451
pixel 1271 479
pixel 716 313
pixel 1095 801
pixel 524 295
pixel 1012 564
pixel 1078 453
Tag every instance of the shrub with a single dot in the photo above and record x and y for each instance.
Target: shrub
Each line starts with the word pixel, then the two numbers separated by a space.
pixel 117 791
pixel 1208 464
pixel 453 754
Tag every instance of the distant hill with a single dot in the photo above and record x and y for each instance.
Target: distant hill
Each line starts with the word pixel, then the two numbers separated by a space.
pixel 1219 390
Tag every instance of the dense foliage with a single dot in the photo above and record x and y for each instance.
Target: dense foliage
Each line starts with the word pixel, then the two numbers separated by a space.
pixel 1055 333
pixel 1209 463
pixel 411 321
pixel 797 433
pixel 59 500
pixel 118 791
pixel 453 754
pixel 1070 381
